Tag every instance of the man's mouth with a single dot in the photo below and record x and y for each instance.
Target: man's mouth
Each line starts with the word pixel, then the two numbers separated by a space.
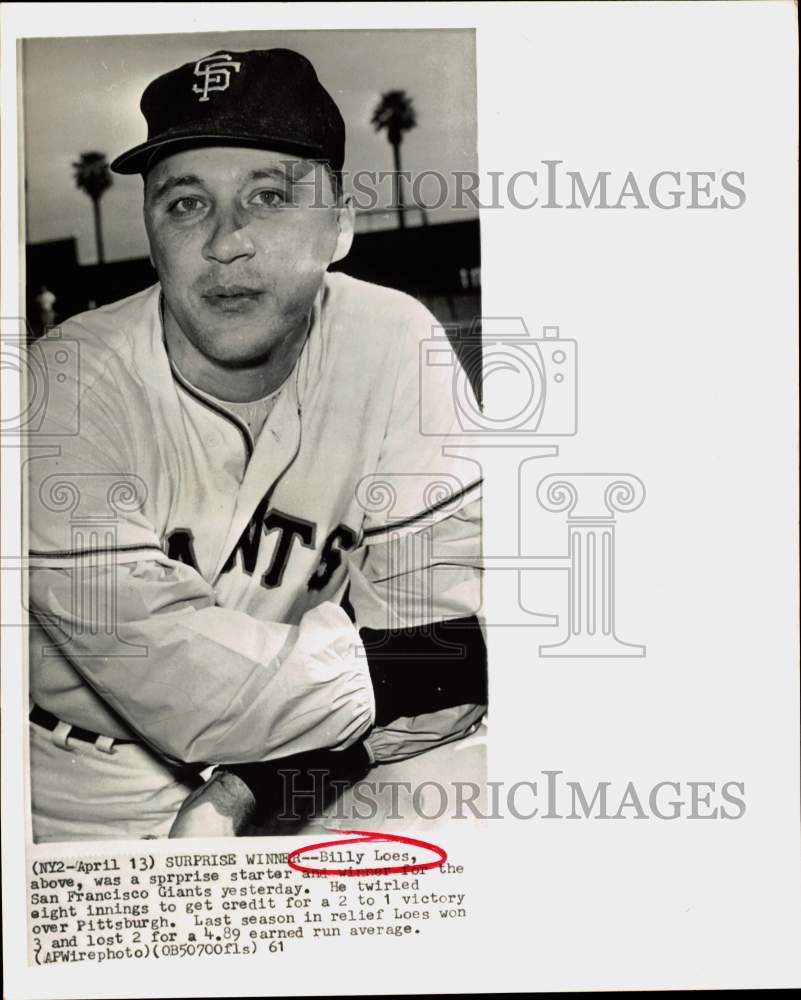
pixel 232 297
pixel 232 292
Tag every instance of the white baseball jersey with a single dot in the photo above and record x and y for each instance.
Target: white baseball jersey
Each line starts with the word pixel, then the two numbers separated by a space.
pixel 186 580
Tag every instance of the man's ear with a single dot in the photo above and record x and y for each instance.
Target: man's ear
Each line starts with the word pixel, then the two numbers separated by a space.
pixel 346 220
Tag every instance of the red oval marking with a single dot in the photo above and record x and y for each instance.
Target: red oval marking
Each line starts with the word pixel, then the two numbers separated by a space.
pixel 368 837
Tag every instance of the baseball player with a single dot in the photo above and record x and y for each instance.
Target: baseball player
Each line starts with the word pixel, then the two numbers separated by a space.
pixel 246 546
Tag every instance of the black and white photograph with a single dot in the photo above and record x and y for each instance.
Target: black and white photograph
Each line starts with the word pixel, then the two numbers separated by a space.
pixel 254 573
pixel 399 457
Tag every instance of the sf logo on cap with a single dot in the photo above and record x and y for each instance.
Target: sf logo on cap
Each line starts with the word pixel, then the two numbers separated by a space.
pixel 216 73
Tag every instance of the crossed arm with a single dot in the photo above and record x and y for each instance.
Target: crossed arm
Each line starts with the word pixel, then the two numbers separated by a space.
pixel 429 680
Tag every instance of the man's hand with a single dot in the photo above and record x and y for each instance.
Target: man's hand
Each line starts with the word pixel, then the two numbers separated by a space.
pixel 222 807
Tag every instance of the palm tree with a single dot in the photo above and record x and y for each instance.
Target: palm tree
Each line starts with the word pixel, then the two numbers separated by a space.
pixel 395 113
pixel 92 175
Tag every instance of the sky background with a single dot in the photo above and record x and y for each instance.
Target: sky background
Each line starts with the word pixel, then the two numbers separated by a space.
pixel 83 94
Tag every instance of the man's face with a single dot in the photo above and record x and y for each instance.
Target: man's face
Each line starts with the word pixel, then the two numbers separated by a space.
pixel 239 247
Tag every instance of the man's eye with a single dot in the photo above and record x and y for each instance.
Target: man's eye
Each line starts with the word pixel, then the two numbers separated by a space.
pixel 185 206
pixel 269 199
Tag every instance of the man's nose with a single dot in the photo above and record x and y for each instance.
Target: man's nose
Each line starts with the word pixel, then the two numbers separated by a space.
pixel 229 239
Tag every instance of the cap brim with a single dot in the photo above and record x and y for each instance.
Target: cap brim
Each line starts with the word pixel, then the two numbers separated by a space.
pixel 141 157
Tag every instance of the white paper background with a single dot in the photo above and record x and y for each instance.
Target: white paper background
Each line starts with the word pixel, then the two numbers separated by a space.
pixel 686 323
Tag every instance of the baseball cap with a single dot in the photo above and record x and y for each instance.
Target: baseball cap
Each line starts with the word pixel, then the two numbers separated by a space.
pixel 264 98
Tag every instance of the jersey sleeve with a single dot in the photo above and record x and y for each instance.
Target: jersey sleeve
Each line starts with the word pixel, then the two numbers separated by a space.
pixel 415 584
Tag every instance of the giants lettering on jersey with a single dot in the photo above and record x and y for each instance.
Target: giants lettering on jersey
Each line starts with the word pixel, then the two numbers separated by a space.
pixel 292 531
